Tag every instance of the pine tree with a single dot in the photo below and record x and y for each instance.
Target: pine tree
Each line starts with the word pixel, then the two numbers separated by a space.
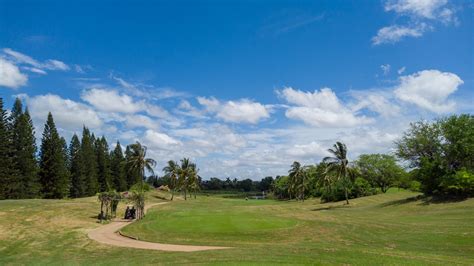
pixel 15 186
pixel 89 163
pixel 117 166
pixel 103 164
pixel 53 171
pixel 25 156
pixel 6 169
pixel 78 186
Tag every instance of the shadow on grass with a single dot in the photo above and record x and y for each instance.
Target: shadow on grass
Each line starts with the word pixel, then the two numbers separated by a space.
pixel 328 208
pixel 426 200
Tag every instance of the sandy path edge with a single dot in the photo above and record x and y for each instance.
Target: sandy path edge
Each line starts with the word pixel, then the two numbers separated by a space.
pixel 108 234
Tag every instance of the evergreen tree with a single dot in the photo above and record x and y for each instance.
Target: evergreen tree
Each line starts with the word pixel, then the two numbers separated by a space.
pixel 78 186
pixel 53 171
pixel 6 169
pixel 103 164
pixel 89 163
pixel 15 185
pixel 117 166
pixel 25 156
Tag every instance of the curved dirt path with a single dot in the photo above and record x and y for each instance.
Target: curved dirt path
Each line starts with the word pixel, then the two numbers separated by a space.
pixel 108 234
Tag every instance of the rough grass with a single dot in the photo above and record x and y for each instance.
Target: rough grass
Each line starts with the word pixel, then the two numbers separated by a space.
pixel 394 228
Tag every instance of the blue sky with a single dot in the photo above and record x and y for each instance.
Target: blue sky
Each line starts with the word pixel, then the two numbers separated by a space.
pixel 242 87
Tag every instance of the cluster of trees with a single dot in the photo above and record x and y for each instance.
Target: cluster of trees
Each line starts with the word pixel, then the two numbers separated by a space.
pixel 336 178
pixel 441 155
pixel 440 158
pixel 182 177
pixel 82 168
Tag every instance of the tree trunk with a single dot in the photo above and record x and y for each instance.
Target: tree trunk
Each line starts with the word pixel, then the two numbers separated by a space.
pixel 172 194
pixel 185 197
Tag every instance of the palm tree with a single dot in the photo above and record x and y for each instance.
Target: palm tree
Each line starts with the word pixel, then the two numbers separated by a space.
pixel 297 176
pixel 183 176
pixel 338 166
pixel 194 181
pixel 139 163
pixel 172 172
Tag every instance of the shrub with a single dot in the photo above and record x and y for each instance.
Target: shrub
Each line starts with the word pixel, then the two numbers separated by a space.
pixel 460 183
pixel 362 188
pixel 137 187
pixel 415 186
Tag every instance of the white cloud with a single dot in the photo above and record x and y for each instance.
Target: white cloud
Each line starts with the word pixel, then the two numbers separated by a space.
pixel 158 140
pixel 240 111
pixel 50 64
pixel 312 149
pixel 429 9
pixel 395 33
pixel 320 108
pixel 385 69
pixel 401 70
pixel 67 114
pixel 35 70
pixel 137 121
pixel 376 102
pixel 429 89
pixel 422 14
pixel 111 101
pixel 10 75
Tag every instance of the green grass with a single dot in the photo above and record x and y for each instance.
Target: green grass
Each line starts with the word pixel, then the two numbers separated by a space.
pixel 392 228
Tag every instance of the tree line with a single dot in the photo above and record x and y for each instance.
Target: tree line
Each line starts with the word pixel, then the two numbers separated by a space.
pixel 439 159
pixel 80 168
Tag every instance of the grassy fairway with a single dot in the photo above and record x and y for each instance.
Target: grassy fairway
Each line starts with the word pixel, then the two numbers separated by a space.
pixel 380 229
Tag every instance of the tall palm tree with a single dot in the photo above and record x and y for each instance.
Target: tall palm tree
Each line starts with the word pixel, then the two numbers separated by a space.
pixel 139 163
pixel 194 182
pixel 297 176
pixel 183 176
pixel 172 172
pixel 338 166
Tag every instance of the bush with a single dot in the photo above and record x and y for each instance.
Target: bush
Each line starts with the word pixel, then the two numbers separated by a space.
pixel 461 183
pixel 137 187
pixel 362 188
pixel 415 186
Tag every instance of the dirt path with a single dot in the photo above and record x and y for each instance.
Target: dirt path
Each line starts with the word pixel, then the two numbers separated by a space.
pixel 108 234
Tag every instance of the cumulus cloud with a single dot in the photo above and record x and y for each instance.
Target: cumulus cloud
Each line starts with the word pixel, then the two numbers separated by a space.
pixel 429 89
pixel 10 75
pixel 137 121
pixel 158 140
pixel 320 108
pixel 240 111
pixel 67 114
pixel 111 101
pixel 376 102
pixel 429 9
pixel 312 149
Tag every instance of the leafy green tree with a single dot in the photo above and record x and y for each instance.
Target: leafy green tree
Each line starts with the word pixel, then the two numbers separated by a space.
pixel 338 168
pixel 53 171
pixel 117 166
pixel 89 162
pixel 7 175
pixel 194 179
pixel 381 170
pixel 103 164
pixel 280 187
pixel 172 171
pixel 78 181
pixel 265 184
pixel 24 152
pixel 438 150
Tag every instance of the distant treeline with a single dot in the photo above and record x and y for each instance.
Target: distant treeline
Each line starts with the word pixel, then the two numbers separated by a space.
pixel 80 168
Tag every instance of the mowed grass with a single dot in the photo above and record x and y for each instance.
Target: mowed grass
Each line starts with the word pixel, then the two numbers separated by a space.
pixel 393 228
